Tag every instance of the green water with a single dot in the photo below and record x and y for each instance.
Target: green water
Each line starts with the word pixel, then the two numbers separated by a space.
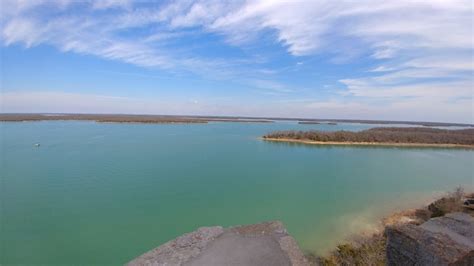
pixel 105 193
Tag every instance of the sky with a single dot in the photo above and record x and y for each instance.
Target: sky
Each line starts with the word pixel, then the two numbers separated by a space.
pixel 365 59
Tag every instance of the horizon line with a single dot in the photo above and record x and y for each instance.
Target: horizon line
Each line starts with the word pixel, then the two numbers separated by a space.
pixel 370 121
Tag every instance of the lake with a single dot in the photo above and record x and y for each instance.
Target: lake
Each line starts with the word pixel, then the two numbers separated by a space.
pixel 106 193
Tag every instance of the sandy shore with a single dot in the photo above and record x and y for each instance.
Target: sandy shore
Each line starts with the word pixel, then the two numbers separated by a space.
pixel 379 144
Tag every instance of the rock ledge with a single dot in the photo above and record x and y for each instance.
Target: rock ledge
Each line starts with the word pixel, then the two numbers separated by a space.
pixel 447 240
pixel 259 244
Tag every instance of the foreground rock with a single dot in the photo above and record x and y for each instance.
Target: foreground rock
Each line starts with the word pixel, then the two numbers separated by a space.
pixel 447 240
pixel 258 244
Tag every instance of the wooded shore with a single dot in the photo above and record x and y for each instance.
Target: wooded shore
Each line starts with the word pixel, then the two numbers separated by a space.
pixel 381 136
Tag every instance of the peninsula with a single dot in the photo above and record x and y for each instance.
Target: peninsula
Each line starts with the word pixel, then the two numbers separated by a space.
pixel 381 136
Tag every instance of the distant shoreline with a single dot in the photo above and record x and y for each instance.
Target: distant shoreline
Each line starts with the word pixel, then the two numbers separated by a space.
pixel 163 119
pixel 132 119
pixel 369 144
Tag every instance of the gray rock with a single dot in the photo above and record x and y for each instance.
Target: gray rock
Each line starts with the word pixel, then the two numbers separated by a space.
pixel 447 240
pixel 258 244
pixel 181 249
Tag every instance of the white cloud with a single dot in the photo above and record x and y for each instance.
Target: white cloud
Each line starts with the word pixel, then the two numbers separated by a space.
pixel 105 4
pixel 407 109
pixel 447 62
pixel 304 27
pixel 448 90
pixel 20 30
pixel 270 85
pixel 388 27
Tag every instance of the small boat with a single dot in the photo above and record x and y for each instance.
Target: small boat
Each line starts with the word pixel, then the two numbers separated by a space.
pixel 37 145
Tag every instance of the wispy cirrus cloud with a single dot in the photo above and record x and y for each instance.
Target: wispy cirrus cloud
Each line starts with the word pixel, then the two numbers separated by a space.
pixel 305 28
pixel 94 33
pixel 106 4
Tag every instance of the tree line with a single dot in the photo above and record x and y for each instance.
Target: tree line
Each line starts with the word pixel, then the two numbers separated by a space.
pixel 383 135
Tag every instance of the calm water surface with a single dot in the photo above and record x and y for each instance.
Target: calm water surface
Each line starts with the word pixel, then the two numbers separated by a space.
pixel 105 193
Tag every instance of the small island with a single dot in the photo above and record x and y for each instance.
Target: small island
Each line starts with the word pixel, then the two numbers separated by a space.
pixel 381 136
pixel 316 123
pixel 309 123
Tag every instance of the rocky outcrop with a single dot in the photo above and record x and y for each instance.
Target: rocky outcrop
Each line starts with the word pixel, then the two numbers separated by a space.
pixel 259 244
pixel 181 249
pixel 447 240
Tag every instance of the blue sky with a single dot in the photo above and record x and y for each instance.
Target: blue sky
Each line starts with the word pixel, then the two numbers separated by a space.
pixel 368 59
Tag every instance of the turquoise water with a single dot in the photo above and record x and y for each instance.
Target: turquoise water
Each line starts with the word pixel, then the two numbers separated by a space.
pixel 105 193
